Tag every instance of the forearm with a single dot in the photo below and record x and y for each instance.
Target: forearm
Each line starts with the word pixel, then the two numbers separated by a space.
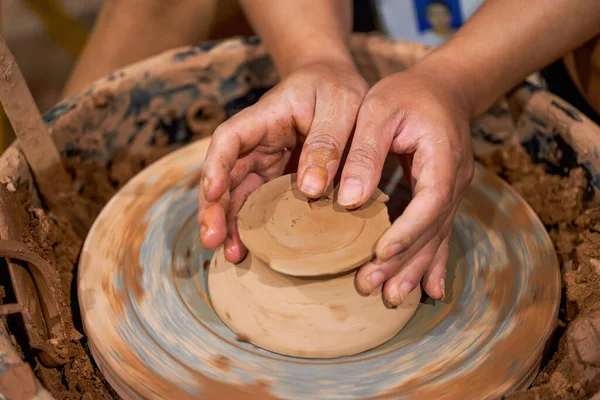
pixel 301 32
pixel 506 40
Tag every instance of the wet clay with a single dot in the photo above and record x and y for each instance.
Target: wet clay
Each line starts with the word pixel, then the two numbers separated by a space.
pixel 302 317
pixel 575 232
pixel 287 298
pixel 302 237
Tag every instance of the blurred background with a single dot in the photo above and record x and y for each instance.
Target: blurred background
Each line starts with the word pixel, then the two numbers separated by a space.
pixel 46 36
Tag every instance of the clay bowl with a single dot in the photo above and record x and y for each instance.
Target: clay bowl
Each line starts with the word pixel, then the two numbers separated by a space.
pixel 320 315
pixel 302 317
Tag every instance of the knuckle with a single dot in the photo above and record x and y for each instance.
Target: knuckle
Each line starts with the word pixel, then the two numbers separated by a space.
pixel 376 102
pixel 321 141
pixel 350 95
pixel 222 129
pixel 362 157
pixel 228 130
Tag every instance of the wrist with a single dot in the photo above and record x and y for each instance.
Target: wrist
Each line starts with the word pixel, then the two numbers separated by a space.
pixel 310 52
pixel 458 80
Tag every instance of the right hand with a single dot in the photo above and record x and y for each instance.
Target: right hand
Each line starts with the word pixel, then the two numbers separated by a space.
pixel 314 107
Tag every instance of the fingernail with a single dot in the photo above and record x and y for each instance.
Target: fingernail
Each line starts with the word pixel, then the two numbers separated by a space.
pixel 351 192
pixel 375 279
pixel 386 303
pixel 205 185
pixel 443 289
pixel 314 181
pixel 398 295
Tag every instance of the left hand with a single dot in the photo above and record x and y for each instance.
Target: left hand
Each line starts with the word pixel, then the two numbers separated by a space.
pixel 421 117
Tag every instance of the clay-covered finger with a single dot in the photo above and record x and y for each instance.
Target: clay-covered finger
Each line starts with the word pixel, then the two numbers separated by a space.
pixel 371 143
pixel 397 288
pixel 374 273
pixel 212 221
pixel 235 251
pixel 269 166
pixel 429 208
pixel 332 125
pixel 239 135
pixel 243 166
pixel 434 280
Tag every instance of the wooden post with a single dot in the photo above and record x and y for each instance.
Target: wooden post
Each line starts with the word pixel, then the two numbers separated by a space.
pixel 34 140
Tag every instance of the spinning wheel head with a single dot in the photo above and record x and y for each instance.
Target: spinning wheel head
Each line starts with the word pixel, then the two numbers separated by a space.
pixel 154 333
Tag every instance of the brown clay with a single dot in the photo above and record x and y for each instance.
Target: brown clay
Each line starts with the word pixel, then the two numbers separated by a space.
pixel 318 317
pixel 574 232
pixel 298 306
pixel 583 349
pixel 302 237
pixel 57 315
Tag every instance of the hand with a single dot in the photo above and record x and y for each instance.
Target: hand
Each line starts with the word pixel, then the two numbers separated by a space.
pixel 314 107
pixel 420 116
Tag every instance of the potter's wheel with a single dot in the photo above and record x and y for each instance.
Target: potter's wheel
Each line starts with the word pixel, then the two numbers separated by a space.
pixel 152 331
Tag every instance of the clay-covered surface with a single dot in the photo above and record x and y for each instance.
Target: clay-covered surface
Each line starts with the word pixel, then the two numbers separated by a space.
pixel 298 236
pixel 126 121
pixel 142 287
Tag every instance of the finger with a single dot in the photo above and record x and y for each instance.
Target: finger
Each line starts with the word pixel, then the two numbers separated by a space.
pixel 269 166
pixel 375 129
pixel 235 251
pixel 397 288
pixel 333 122
pixel 434 280
pixel 243 166
pixel 376 272
pixel 240 134
pixel 431 204
pixel 212 215
pixel 212 221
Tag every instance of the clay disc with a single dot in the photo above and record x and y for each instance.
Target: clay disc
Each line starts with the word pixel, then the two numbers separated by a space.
pixel 301 237
pixel 153 331
pixel 302 317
